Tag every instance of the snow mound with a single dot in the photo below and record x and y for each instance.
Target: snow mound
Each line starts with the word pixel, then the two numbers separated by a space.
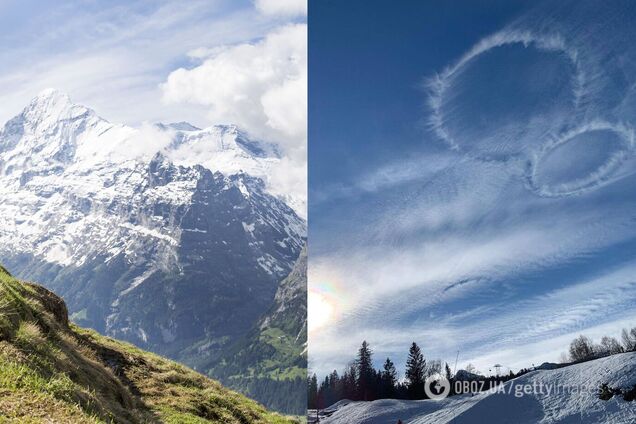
pixel 564 395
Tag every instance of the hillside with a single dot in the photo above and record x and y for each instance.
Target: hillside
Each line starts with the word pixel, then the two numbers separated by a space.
pixel 270 363
pixel 565 404
pixel 53 371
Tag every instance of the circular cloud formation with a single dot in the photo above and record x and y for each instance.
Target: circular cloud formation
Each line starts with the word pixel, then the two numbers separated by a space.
pixel 581 159
pixel 502 96
pixel 509 95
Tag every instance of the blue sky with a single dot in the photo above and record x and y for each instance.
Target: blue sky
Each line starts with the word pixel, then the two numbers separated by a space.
pixel 112 56
pixel 472 178
pixel 115 56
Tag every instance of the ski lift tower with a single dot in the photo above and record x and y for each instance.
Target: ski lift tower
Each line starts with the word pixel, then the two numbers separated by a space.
pixel 498 369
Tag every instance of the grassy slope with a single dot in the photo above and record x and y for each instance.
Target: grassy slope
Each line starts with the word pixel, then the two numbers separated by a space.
pixel 53 371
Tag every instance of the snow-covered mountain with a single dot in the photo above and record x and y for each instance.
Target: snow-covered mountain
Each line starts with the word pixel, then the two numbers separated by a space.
pixel 563 395
pixel 168 236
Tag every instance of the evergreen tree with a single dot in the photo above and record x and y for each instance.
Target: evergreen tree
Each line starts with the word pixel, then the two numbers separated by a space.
pixel 447 372
pixel 325 398
pixel 378 385
pixel 334 386
pixel 389 379
pixel 312 392
pixel 415 369
pixel 434 367
pixel 365 372
pixel 349 384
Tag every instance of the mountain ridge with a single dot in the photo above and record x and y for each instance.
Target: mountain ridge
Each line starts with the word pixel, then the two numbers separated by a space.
pixel 62 131
pixel 272 356
pixel 138 234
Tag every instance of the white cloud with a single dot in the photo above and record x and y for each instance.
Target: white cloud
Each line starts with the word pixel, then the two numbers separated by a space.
pixel 282 7
pixel 285 107
pixel 389 176
pixel 289 180
pixel 122 143
pixel 113 57
pixel 261 87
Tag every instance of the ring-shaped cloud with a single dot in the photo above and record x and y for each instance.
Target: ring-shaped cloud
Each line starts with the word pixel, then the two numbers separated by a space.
pixel 581 159
pixel 506 110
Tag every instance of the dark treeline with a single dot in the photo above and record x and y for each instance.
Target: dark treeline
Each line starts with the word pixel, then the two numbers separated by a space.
pixel 361 381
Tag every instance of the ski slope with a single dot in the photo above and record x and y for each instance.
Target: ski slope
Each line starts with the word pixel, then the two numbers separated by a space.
pixel 569 404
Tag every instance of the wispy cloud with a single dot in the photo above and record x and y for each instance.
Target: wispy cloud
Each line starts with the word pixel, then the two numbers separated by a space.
pixel 393 174
pixel 521 236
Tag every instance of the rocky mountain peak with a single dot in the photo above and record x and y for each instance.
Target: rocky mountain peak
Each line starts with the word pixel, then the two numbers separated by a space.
pixel 52 106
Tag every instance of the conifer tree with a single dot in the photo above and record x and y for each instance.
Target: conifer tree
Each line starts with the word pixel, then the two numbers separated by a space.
pixel 312 394
pixel 365 371
pixel 389 379
pixel 350 383
pixel 334 386
pixel 415 369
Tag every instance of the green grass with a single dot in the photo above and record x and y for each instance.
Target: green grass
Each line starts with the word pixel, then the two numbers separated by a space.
pixel 280 341
pixel 52 371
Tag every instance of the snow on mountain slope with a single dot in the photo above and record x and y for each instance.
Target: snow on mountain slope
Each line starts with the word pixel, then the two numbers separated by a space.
pixel 168 236
pixel 52 132
pixel 567 403
pixel 56 153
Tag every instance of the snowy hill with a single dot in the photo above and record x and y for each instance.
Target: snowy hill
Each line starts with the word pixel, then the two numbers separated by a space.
pixel 167 236
pixel 565 404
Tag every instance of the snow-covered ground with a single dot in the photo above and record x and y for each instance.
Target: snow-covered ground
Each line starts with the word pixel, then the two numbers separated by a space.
pixel 573 399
